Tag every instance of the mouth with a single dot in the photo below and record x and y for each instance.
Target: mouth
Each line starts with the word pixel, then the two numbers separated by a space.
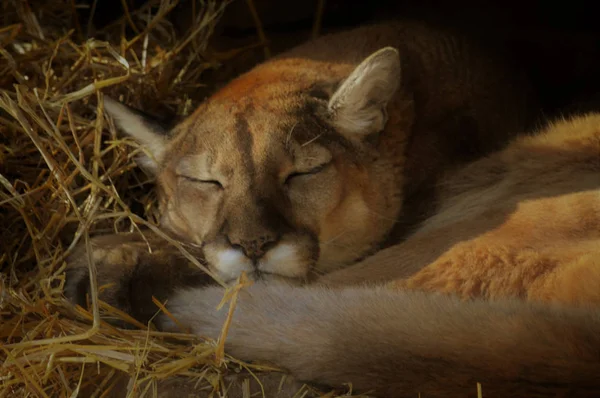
pixel 262 276
pixel 252 275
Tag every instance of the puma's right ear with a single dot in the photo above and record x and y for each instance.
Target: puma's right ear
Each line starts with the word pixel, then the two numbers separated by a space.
pixel 148 133
pixel 358 107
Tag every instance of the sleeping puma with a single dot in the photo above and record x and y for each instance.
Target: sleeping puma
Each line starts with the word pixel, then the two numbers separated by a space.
pixel 520 225
pixel 319 158
pixel 310 161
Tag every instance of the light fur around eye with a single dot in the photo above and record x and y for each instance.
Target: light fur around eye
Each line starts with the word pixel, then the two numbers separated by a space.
pixel 195 180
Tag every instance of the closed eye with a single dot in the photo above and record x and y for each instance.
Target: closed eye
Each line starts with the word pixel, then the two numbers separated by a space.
pixel 201 181
pixel 312 171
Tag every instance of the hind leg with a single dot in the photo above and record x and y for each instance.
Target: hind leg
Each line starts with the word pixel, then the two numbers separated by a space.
pixel 567 272
pixel 576 281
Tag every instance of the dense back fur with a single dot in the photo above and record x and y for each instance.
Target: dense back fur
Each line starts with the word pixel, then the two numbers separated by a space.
pixel 522 222
pixel 525 222
pixel 311 159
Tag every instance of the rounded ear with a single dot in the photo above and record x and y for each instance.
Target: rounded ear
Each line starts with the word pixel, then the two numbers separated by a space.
pixel 358 107
pixel 147 132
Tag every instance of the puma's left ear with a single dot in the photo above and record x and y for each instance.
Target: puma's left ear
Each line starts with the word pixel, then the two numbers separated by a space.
pixel 147 132
pixel 358 107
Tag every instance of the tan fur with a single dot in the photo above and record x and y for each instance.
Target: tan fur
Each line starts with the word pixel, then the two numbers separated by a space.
pixel 518 233
pixel 399 344
pixel 364 121
pixel 499 285
pixel 522 225
pixel 523 222
pixel 131 269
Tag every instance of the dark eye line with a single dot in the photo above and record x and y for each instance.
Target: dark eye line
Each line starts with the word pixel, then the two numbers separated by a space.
pixel 198 180
pixel 309 172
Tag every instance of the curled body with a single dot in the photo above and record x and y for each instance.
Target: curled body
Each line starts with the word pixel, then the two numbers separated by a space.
pixel 382 168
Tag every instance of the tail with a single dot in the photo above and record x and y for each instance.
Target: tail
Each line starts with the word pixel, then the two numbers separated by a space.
pixel 399 344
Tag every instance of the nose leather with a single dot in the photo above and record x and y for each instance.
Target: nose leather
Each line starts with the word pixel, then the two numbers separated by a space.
pixel 256 248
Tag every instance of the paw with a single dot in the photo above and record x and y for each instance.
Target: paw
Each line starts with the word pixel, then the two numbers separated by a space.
pixel 115 260
pixel 195 311
pixel 129 275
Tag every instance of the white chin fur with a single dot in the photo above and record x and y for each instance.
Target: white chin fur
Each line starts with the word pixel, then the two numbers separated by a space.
pixel 283 260
pixel 230 263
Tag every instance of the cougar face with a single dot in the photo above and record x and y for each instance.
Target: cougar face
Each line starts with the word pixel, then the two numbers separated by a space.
pixel 273 179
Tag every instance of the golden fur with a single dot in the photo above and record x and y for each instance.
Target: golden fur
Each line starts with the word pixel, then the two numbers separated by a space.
pixel 517 230
pixel 329 152
pixel 524 222
pixel 517 233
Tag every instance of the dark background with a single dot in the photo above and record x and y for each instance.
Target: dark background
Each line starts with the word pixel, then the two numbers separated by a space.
pixel 558 43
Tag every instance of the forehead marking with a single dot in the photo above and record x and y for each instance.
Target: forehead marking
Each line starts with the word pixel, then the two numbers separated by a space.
pixel 246 142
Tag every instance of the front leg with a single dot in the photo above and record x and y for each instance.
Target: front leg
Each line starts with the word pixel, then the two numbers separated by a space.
pixel 130 270
pixel 400 344
pixel 396 262
pixel 128 275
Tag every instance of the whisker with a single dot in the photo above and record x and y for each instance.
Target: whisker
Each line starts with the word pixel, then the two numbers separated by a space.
pixel 289 136
pixel 312 140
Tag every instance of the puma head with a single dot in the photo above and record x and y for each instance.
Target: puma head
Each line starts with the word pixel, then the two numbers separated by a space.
pixel 287 168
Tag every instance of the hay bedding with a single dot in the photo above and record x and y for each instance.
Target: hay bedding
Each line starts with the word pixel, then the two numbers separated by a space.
pixel 65 175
